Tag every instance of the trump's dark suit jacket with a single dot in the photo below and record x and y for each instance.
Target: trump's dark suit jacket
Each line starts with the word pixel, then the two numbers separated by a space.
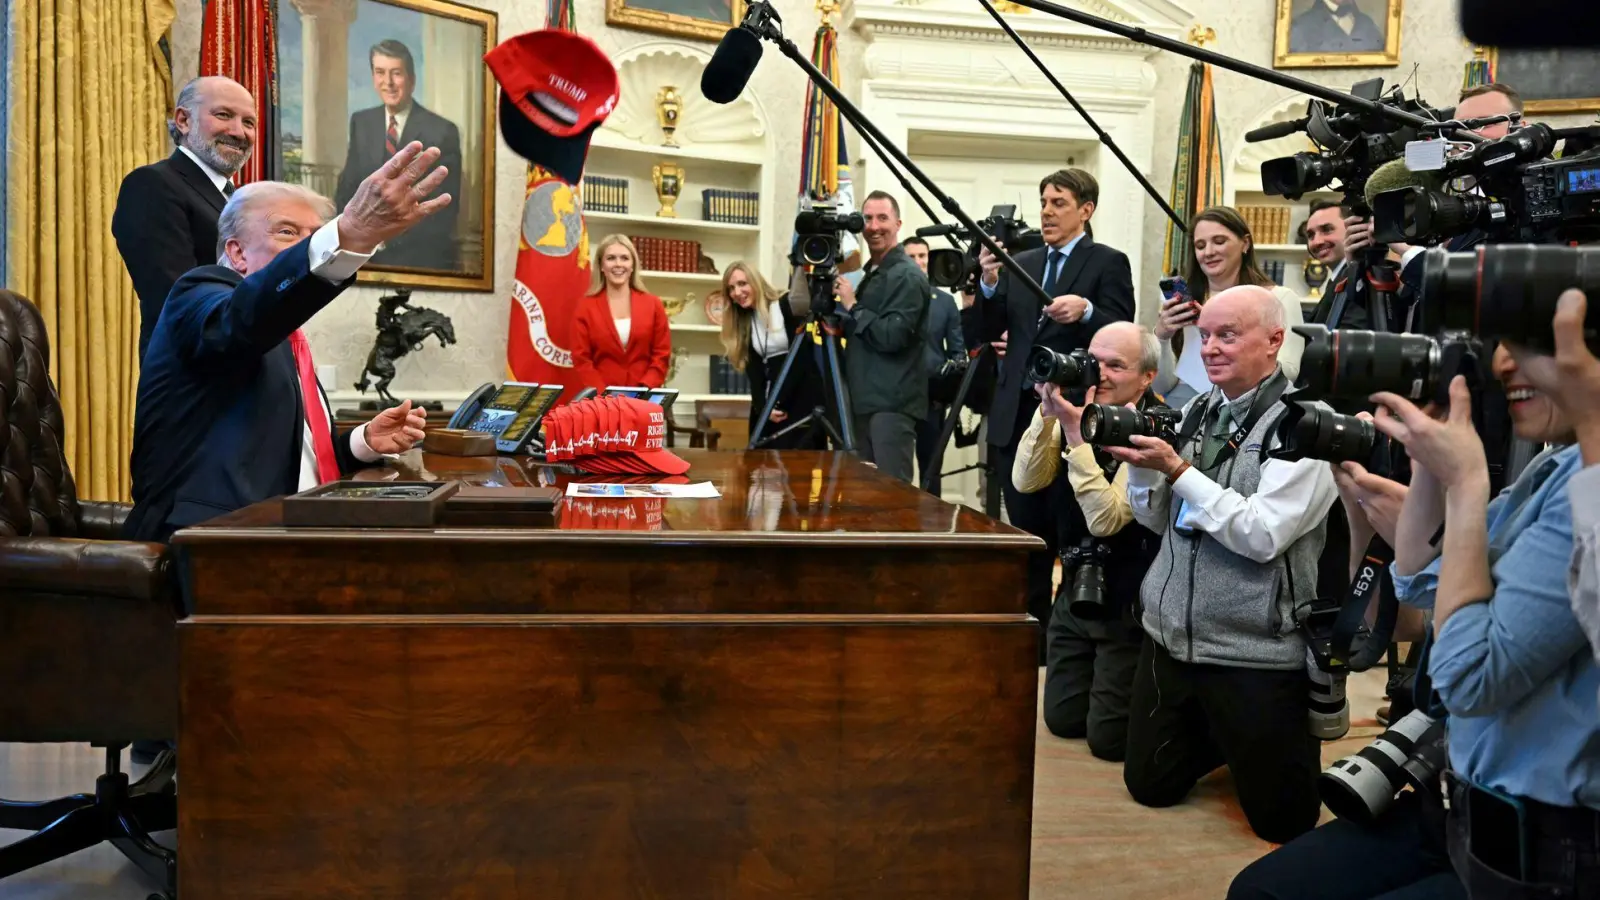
pixel 432 243
pixel 219 423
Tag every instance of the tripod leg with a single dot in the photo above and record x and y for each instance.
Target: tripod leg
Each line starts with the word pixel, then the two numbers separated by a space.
pixel 840 396
pixel 773 390
pixel 954 417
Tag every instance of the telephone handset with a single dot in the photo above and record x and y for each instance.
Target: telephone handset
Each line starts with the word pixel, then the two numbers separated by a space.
pixel 471 406
pixel 584 394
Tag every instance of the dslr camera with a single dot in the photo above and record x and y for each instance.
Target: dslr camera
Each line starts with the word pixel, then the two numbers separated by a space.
pixel 1109 425
pixel 1087 563
pixel 1065 370
pixel 958 270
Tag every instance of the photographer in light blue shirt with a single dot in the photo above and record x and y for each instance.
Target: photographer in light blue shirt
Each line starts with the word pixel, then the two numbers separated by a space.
pixel 1507 659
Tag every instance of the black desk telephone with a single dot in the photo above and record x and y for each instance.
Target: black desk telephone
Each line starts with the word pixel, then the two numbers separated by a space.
pixel 511 412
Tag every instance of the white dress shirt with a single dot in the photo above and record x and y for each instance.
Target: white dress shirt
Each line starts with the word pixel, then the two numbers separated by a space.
pixel 624 328
pixel 333 265
pixel 1291 500
pixel 768 339
pixel 217 178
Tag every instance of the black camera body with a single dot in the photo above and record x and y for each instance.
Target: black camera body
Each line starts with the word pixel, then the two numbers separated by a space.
pixel 1086 562
pixel 958 270
pixel 1075 370
pixel 1109 425
pixel 1352 143
pixel 819 231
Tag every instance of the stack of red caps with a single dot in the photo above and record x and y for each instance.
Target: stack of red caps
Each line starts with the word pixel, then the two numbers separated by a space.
pixel 612 513
pixel 614 435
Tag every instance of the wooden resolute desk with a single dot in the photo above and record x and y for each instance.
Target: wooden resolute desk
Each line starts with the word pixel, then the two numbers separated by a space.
pixel 821 685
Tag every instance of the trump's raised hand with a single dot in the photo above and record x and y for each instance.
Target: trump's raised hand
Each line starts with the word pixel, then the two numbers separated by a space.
pixel 392 199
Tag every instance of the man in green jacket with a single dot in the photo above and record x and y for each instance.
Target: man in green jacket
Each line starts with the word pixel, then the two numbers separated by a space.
pixel 885 320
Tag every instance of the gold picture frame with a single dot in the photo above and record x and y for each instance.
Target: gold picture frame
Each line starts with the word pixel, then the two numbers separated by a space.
pixel 1300 32
pixel 455 31
pixel 678 18
pixel 1531 102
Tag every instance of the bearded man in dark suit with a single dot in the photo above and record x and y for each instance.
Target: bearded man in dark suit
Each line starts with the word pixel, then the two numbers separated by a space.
pixel 376 134
pixel 165 222
pixel 1334 26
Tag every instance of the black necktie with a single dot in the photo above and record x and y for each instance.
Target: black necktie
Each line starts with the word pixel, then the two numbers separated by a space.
pixel 227 189
pixel 1053 271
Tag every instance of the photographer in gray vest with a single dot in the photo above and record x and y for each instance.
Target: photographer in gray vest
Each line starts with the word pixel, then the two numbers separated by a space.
pixel 1222 680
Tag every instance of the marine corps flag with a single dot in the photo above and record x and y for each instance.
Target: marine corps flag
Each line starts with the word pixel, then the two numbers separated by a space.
pixel 1197 174
pixel 552 271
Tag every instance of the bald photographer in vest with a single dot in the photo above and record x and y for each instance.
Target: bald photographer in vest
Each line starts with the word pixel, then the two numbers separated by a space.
pixel 1222 680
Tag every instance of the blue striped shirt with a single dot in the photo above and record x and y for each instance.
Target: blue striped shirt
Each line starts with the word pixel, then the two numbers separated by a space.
pixel 1516 673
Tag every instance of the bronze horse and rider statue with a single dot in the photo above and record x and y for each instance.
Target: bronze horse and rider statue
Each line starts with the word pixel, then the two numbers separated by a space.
pixel 400 333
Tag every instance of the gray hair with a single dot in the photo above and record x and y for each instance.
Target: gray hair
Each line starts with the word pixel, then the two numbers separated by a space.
pixel 247 198
pixel 188 99
pixel 1149 347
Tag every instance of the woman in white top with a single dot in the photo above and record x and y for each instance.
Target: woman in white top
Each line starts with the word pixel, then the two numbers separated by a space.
pixel 758 333
pixel 1222 255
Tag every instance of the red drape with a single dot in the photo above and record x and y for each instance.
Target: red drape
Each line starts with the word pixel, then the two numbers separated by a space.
pixel 240 40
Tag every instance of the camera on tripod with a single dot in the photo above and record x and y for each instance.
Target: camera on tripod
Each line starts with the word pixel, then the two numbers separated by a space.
pixel 1065 370
pixel 958 270
pixel 1087 563
pixel 819 232
pixel 1109 425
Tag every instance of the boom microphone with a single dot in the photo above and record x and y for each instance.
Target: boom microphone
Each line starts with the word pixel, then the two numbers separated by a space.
pixel 1393 175
pixel 1277 130
pixel 939 230
pixel 731 66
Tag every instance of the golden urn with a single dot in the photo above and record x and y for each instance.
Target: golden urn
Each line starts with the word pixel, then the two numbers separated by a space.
pixel 668 107
pixel 668 178
pixel 1315 272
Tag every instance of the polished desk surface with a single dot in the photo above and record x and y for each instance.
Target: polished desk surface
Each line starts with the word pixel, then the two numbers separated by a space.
pixel 822 685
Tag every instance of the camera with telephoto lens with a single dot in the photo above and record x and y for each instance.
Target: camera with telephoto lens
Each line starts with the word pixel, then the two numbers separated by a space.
pixel 958 270
pixel 1065 370
pixel 1509 292
pixel 1109 425
pixel 1353 365
pixel 1362 786
pixel 1087 563
pixel 1312 431
pixel 1351 144
pixel 1329 713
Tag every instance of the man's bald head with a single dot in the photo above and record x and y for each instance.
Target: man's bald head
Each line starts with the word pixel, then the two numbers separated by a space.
pixel 1241 331
pixel 214 117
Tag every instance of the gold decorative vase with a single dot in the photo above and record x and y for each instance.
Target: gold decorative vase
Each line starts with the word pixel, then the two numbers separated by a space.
pixel 668 178
pixel 668 107
pixel 675 305
pixel 1315 272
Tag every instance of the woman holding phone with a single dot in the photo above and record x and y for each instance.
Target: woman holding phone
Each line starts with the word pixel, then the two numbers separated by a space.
pixel 1221 256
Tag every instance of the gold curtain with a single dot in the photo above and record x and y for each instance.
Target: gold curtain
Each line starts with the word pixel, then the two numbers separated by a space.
pixel 90 93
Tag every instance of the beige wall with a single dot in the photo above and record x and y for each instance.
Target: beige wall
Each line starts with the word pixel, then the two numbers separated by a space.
pixel 1431 48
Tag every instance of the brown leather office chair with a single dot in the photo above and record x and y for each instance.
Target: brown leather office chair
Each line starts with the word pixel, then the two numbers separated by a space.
pixel 88 635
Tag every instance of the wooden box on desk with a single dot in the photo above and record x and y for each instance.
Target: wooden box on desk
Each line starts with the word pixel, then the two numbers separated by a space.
pixel 832 696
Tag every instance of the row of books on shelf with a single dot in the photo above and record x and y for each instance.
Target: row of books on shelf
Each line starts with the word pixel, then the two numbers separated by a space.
pixel 1269 224
pixel 1275 269
pixel 605 194
pixel 724 380
pixel 658 254
pixel 732 207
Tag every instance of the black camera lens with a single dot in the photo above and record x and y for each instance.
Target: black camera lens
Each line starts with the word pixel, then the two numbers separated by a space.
pixel 1353 365
pixel 1291 176
pixel 1309 431
pixel 1509 291
pixel 817 250
pixel 950 268
pixel 1109 425
pixel 1416 214
pixel 1069 370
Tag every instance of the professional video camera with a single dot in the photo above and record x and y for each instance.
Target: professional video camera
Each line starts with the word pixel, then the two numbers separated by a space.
pixel 819 232
pixel 1065 370
pixel 1087 582
pixel 1507 188
pixel 1361 787
pixel 1351 144
pixel 958 270
pixel 1109 425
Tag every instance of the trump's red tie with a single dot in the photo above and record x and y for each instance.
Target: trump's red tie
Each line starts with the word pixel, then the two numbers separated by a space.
pixel 316 413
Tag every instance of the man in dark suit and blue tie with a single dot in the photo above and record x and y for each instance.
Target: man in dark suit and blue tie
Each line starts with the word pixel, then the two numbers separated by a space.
pixel 376 134
pixel 1092 285
pixel 229 410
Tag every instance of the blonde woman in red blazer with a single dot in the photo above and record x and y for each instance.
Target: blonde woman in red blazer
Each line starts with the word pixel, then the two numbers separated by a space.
pixel 620 335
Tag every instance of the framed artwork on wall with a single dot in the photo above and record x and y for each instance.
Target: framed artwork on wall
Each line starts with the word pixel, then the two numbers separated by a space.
pixel 704 19
pixel 1326 34
pixel 1559 80
pixel 357 77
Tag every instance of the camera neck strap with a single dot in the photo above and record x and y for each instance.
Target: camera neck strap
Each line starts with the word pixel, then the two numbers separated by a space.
pixel 1267 394
pixel 1372 580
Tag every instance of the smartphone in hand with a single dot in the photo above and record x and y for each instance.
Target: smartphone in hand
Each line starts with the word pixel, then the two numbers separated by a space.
pixel 1174 287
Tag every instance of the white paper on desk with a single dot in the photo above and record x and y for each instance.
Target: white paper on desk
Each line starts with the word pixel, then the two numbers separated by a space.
pixel 705 490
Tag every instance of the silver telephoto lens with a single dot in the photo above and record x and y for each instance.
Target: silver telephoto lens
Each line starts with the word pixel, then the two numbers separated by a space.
pixel 1361 786
pixel 1329 712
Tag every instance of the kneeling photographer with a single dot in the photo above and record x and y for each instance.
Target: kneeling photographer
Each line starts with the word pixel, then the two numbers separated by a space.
pixel 1507 664
pixel 1222 680
pixel 1093 640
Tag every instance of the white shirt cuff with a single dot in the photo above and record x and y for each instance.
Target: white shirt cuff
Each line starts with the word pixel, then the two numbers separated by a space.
pixel 1409 255
pixel 1139 476
pixel 360 447
pixel 1196 489
pixel 328 261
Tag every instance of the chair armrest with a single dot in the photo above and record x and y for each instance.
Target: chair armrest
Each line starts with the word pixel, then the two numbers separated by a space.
pixel 100 521
pixel 47 565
